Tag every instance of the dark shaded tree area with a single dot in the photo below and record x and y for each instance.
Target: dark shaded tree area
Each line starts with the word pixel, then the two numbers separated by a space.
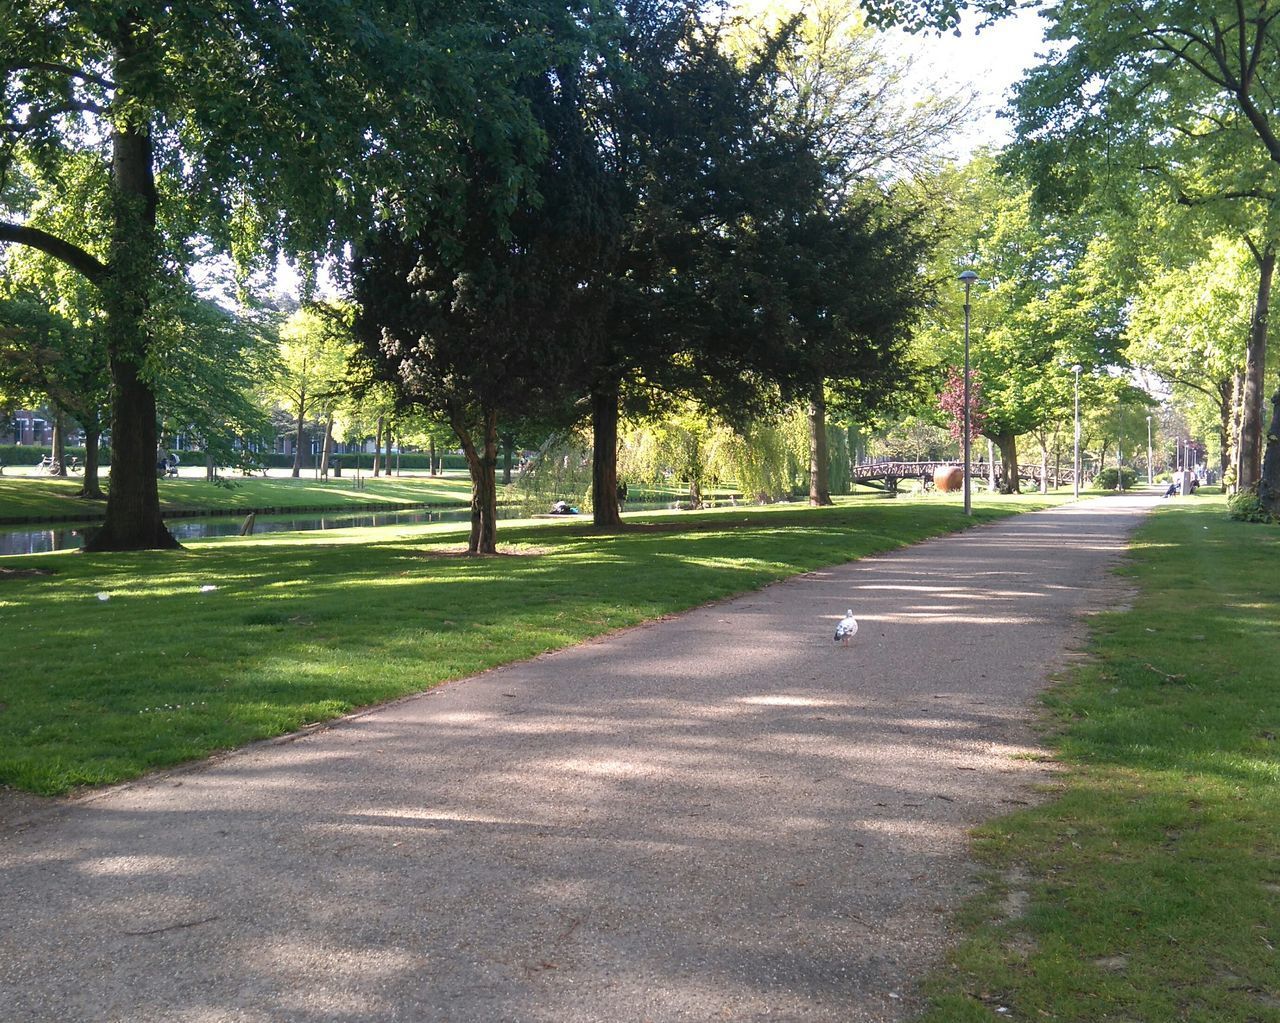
pixel 679 241
pixel 494 310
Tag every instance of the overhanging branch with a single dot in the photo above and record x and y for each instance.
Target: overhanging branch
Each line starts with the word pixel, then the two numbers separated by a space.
pixel 93 269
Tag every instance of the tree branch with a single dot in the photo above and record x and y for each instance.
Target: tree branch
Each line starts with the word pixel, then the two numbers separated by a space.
pixel 63 69
pixel 44 116
pixel 93 269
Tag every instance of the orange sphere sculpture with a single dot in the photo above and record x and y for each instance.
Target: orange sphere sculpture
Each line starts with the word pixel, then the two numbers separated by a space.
pixel 948 478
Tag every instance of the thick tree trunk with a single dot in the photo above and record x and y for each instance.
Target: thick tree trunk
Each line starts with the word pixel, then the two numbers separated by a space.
pixel 819 466
pixel 1269 483
pixel 605 511
pixel 377 445
pixel 482 464
pixel 92 488
pixel 297 434
pixel 991 466
pixel 58 447
pixel 132 519
pixel 1008 445
pixel 1255 366
pixel 210 470
pixel 431 456
pixel 326 451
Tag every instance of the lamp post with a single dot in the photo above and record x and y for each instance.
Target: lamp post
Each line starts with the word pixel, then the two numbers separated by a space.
pixel 1075 473
pixel 967 277
pixel 1150 475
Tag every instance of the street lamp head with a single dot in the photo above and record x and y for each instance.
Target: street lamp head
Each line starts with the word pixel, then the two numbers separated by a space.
pixel 1076 369
pixel 967 277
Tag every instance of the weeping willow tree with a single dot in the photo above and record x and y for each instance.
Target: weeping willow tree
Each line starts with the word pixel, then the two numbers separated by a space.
pixel 764 459
pixel 559 471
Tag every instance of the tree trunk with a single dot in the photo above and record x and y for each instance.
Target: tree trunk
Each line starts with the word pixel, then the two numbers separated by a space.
pixel 1044 463
pixel 1269 483
pixel 326 450
pixel 297 436
pixel 431 455
pixel 91 488
pixel 132 519
pixel 1255 366
pixel 482 465
pixel 819 466
pixel 991 466
pixel 210 470
pixel 605 511
pixel 508 444
pixel 1237 398
pixel 1008 444
pixel 1224 426
pixel 377 446
pixel 58 447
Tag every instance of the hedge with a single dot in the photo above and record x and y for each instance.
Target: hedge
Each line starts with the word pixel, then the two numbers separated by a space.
pixel 33 454
pixel 408 460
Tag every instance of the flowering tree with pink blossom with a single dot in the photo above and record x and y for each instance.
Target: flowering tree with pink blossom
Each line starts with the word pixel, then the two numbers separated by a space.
pixel 951 401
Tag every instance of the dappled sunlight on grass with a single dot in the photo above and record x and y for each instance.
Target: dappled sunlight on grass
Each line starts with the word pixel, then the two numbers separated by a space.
pixel 296 629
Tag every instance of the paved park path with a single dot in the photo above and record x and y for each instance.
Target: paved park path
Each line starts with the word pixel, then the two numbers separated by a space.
pixel 722 816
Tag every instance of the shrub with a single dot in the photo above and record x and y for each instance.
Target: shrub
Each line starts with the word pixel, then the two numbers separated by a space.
pixel 1106 479
pixel 1246 506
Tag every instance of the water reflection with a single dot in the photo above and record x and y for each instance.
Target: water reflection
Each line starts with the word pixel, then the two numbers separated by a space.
pixel 71 536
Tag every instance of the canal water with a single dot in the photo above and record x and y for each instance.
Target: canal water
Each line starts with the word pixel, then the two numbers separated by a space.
pixel 69 536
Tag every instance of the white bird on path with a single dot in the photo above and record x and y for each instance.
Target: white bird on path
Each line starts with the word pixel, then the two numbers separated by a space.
pixel 847 629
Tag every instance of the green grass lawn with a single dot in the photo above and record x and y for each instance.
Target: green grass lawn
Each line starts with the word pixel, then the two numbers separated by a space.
pixel 1152 878
pixel 302 627
pixel 36 497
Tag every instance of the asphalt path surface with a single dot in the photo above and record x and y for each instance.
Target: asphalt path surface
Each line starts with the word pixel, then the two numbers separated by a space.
pixel 720 816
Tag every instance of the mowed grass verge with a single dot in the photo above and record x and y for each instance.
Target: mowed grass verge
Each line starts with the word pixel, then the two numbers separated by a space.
pixel 1148 889
pixel 304 627
pixel 37 497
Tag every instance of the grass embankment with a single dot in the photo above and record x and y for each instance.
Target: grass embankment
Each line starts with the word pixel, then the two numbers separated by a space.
pixel 1149 888
pixel 303 628
pixel 35 498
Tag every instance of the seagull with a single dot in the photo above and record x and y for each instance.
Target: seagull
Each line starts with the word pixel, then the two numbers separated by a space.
pixel 847 629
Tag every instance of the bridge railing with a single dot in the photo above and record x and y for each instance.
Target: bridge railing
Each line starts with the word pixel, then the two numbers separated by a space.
pixel 979 470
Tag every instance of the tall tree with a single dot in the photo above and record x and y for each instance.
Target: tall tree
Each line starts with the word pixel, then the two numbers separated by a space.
pixel 313 368
pixel 492 312
pixel 1188 325
pixel 688 307
pixel 1179 90
pixel 251 125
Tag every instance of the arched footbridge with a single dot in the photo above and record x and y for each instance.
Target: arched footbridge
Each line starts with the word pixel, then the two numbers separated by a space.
pixel 887 475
